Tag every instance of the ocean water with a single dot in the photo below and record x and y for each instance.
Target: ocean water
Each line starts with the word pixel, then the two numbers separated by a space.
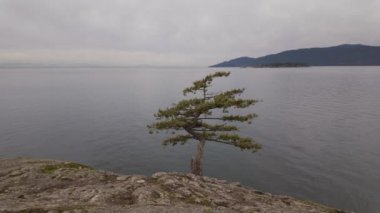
pixel 319 126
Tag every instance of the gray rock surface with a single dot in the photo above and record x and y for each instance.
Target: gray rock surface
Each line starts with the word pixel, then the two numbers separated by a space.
pixel 46 186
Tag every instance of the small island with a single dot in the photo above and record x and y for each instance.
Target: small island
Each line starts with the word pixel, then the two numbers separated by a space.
pixel 49 186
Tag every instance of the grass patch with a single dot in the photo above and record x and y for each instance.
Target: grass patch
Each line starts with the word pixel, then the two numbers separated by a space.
pixel 59 209
pixel 49 169
pixel 125 198
pixel 207 210
pixel 321 206
pixel 193 200
pixel 205 202
pixel 62 209
pixel 35 210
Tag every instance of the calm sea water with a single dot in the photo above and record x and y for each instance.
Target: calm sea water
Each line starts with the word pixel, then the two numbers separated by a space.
pixel 320 126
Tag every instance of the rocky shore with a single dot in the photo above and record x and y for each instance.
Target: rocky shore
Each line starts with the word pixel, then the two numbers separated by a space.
pixel 47 186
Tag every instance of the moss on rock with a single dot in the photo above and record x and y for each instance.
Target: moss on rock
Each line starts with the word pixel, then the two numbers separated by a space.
pixel 49 169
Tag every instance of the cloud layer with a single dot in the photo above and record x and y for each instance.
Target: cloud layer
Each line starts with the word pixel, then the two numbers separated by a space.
pixel 176 33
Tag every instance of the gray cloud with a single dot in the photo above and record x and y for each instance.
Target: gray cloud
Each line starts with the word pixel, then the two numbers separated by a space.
pixel 170 32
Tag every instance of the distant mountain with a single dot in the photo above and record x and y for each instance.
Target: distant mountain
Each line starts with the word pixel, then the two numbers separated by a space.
pixel 342 55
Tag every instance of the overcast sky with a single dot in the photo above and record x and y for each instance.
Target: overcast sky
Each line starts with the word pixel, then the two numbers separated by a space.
pixel 176 32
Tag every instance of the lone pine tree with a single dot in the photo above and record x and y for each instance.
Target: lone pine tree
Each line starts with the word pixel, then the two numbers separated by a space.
pixel 195 119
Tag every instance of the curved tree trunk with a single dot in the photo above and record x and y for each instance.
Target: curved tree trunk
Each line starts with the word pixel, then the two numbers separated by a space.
pixel 197 161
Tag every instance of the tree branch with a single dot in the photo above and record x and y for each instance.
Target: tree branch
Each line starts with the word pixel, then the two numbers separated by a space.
pixel 210 118
pixel 219 141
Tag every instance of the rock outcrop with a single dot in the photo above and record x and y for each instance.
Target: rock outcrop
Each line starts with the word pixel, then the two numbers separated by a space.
pixel 46 186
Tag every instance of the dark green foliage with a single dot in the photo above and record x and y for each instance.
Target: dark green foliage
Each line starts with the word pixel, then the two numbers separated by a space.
pixel 193 118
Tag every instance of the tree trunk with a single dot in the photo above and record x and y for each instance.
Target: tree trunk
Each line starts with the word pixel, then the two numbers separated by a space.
pixel 196 162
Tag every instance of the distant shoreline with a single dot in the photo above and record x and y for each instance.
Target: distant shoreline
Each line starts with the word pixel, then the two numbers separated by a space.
pixel 341 55
pixel 282 65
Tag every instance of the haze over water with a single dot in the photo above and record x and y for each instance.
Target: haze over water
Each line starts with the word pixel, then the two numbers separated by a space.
pixel 319 126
